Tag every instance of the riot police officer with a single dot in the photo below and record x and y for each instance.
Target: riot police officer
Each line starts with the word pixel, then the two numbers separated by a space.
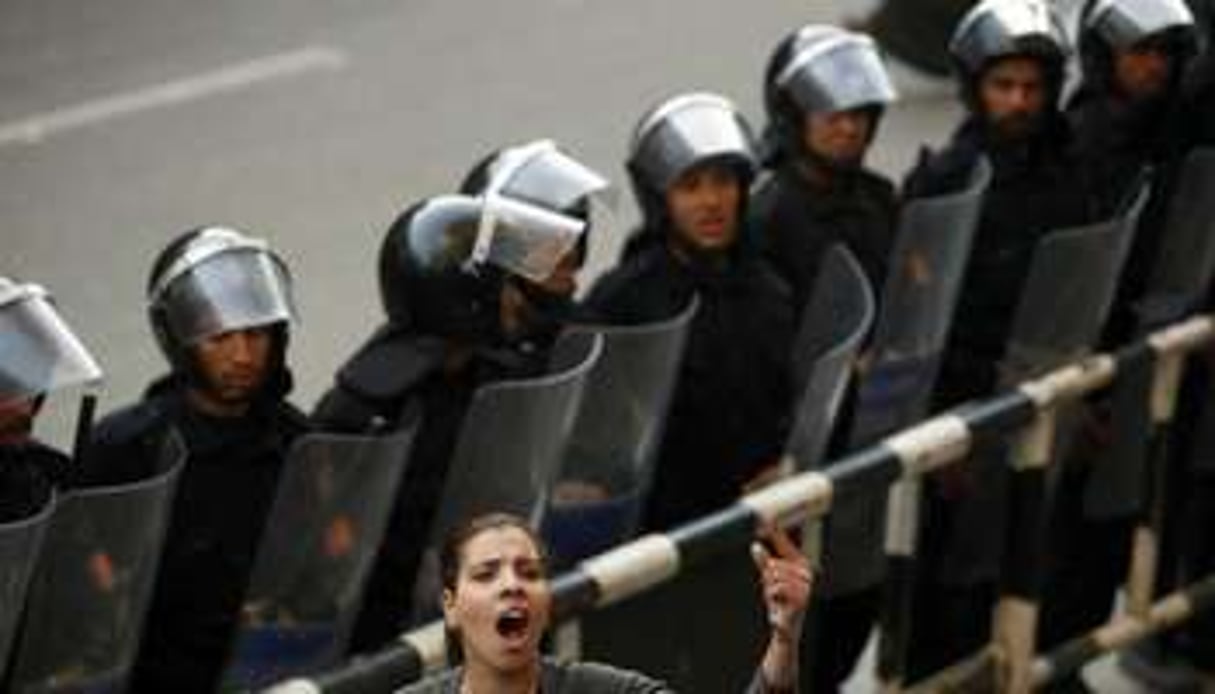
pixel 1009 57
pixel 541 173
pixel 690 161
pixel 38 353
pixel 1127 115
pixel 220 305
pixel 824 91
pixel 474 289
pixel 1129 119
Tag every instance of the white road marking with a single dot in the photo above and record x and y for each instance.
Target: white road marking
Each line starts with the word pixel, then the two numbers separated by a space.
pixel 35 129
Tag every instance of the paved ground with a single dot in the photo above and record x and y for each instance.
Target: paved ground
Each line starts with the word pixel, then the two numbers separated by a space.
pixel 312 123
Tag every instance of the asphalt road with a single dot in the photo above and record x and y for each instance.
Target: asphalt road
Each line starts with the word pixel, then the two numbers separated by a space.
pixel 313 123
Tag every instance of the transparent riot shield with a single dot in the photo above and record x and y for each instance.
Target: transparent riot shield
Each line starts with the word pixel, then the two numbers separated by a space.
pixel 93 582
pixel 830 330
pixel 895 386
pixel 1066 298
pixel 606 466
pixel 20 542
pixel 1178 284
pixel 321 536
pixel 1183 268
pixel 512 438
pixel 509 452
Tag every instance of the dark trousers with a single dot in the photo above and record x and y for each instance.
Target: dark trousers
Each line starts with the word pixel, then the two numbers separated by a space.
pixel 836 633
pixel 1087 562
pixel 949 623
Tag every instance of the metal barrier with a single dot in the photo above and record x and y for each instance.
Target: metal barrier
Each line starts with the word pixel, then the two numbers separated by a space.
pixel 1027 414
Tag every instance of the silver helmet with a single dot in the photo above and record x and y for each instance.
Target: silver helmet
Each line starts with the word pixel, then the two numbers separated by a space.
pixel 684 132
pixel 830 69
pixel 38 351
pixel 1123 23
pixel 1003 28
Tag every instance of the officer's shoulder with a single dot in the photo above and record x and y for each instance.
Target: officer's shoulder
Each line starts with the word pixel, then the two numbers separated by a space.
pixel 876 184
pixel 293 418
pixel 130 423
pixel 626 276
pixel 940 171
pixel 390 364
pixel 641 289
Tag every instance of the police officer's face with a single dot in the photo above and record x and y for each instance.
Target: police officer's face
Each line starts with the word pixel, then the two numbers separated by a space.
pixel 838 136
pixel 703 205
pixel 234 364
pixel 16 420
pixel 1012 94
pixel 1142 71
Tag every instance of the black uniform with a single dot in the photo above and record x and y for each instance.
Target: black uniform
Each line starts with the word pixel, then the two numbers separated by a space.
pixel 799 220
pixel 1036 188
pixel 1195 425
pixel 1121 146
pixel 729 414
pixel 223 495
pixel 396 379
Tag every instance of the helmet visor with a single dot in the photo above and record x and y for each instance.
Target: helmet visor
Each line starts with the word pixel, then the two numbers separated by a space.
pixel 231 290
pixel 524 239
pixel 687 131
pixel 999 28
pixel 543 175
pixel 837 74
pixel 38 352
pixel 1123 23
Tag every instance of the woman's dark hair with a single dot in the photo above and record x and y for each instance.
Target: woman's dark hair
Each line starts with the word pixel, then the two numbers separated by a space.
pixel 450 554
pixel 451 558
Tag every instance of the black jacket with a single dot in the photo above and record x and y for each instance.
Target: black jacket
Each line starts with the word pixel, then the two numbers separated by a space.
pixel 1036 188
pixel 797 221
pixel 399 378
pixel 224 493
pixel 1121 146
pixel 729 414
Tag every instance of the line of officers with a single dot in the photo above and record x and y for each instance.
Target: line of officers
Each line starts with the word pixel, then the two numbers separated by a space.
pixel 475 286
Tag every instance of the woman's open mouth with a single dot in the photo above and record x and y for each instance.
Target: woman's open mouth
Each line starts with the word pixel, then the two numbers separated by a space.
pixel 512 624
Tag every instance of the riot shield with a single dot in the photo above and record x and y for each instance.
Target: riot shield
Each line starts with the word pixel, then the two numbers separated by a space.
pixel 830 330
pixel 1063 306
pixel 606 466
pixel 895 389
pixel 928 262
pixel 321 536
pixel 1183 268
pixel 512 438
pixel 92 584
pixel 20 542
pixel 1178 284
